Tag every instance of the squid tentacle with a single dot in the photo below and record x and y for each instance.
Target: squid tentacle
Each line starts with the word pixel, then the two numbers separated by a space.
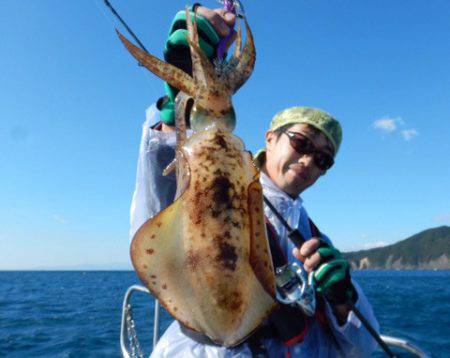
pixel 246 63
pixel 202 69
pixel 171 74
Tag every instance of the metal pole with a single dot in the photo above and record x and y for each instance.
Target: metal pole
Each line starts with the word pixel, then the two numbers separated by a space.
pixel 156 324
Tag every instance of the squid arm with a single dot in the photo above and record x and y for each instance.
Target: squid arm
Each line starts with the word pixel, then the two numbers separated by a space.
pixel 171 74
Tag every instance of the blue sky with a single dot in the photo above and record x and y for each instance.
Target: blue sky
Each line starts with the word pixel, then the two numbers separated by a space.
pixel 73 101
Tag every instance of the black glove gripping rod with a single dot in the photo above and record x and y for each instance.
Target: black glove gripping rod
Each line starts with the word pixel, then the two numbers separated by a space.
pixel 298 240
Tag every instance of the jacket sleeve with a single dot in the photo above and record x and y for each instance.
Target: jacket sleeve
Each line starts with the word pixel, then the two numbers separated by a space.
pixel 153 191
pixel 353 338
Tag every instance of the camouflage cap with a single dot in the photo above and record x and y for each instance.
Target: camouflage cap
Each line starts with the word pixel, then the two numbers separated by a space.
pixel 317 118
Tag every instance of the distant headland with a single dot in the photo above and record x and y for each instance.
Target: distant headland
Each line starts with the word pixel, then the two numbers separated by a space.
pixel 427 250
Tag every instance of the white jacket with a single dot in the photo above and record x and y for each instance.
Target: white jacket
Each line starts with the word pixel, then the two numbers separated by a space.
pixel 154 192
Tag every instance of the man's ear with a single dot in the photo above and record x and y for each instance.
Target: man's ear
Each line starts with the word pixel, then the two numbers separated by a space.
pixel 271 139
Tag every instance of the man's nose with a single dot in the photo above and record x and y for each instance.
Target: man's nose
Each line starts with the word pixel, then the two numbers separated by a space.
pixel 307 160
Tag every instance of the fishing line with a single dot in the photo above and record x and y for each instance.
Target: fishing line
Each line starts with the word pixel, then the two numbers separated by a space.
pixel 102 11
pixel 108 4
pixel 114 24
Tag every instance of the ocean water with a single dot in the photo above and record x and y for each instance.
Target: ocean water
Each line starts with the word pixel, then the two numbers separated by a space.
pixel 77 314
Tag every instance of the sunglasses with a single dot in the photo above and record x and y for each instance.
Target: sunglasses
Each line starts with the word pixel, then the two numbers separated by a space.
pixel 303 145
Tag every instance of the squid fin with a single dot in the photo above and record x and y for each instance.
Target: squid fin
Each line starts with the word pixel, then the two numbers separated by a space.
pixel 158 258
pixel 252 318
pixel 260 258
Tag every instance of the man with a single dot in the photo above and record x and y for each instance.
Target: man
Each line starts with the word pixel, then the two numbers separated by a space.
pixel 301 144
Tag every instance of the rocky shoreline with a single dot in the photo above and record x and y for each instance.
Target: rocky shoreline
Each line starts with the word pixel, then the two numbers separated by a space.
pixel 427 250
pixel 441 263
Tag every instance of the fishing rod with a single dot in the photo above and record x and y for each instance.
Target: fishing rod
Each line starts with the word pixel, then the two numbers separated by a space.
pixel 298 240
pixel 233 6
pixel 115 13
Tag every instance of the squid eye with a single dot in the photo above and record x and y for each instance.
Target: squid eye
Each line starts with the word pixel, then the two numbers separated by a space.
pixel 230 120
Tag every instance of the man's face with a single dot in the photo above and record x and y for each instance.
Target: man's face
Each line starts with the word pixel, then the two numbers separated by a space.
pixel 290 171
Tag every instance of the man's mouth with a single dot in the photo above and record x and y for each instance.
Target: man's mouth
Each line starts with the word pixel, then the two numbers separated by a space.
pixel 300 172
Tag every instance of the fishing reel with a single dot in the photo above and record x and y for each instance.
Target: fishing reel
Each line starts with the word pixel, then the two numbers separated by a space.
pixel 295 286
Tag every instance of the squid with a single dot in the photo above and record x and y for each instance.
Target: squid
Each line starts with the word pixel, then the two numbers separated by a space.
pixel 206 257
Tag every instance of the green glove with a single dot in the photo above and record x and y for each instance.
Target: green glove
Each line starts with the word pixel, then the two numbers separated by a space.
pixel 332 277
pixel 177 53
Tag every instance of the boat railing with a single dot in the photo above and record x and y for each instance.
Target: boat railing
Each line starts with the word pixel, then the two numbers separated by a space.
pixel 129 341
pixel 131 348
pixel 405 345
